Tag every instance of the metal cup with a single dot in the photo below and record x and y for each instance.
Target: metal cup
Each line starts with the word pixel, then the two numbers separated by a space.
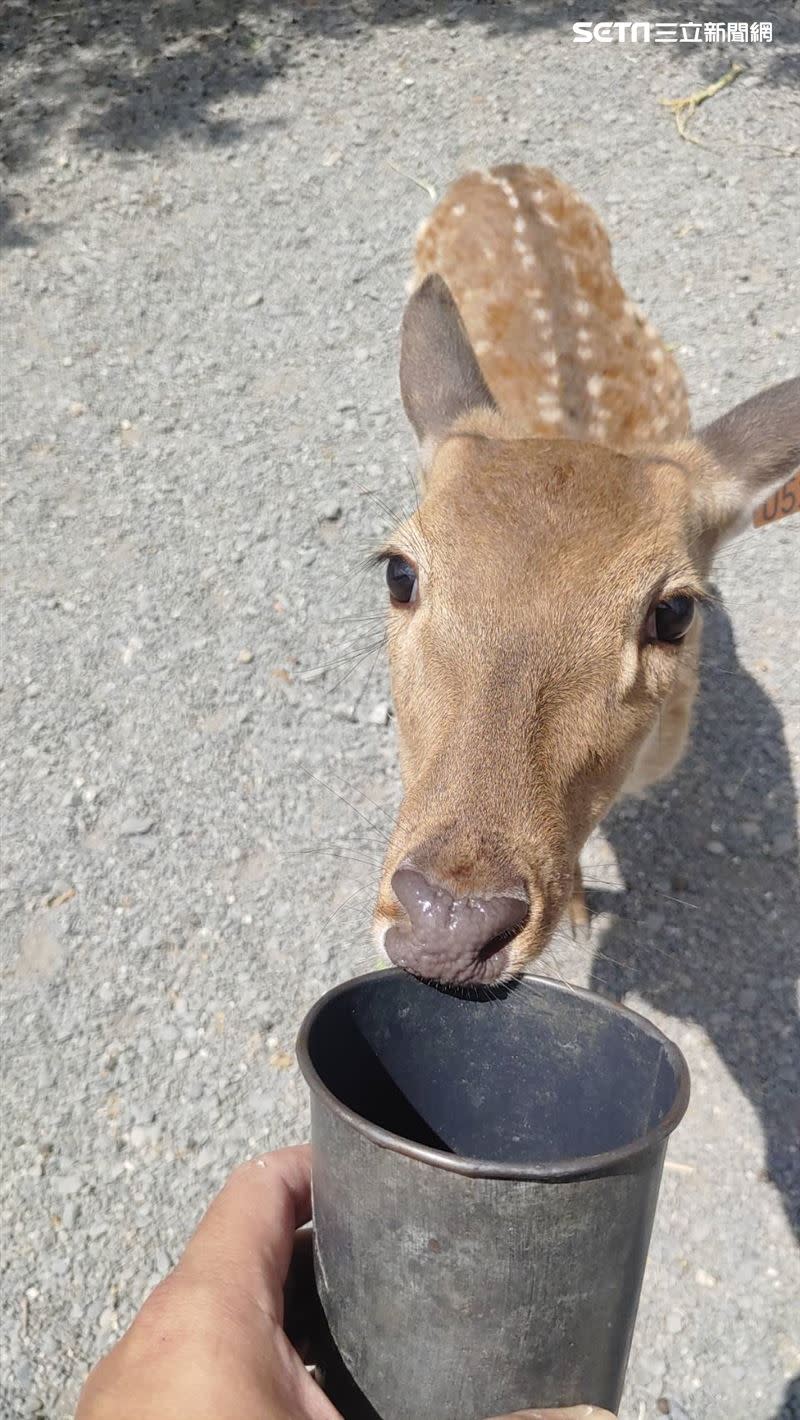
pixel 485 1175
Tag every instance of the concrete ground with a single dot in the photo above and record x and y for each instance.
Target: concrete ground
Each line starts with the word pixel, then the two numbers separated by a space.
pixel 209 209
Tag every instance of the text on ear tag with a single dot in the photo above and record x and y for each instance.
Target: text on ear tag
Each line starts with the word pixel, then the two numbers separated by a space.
pixel 780 504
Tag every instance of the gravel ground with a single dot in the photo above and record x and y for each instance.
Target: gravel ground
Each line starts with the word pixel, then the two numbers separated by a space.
pixel 209 225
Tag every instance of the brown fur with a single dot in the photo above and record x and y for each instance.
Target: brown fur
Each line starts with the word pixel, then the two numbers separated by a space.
pixel 546 315
pixel 526 696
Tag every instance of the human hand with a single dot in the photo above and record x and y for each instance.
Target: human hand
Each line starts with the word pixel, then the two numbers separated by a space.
pixel 211 1340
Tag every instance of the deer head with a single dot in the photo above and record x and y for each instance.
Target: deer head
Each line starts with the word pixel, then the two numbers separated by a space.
pixel 544 630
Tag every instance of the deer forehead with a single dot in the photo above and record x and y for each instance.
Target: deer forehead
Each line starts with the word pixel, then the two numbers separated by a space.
pixel 533 514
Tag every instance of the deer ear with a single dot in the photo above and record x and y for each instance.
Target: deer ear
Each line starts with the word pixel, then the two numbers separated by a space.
pixel 756 447
pixel 440 378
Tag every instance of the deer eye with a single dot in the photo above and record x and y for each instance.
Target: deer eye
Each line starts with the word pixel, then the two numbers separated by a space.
pixel 401 579
pixel 670 620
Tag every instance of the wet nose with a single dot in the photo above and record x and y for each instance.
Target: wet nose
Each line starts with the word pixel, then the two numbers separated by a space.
pixel 454 939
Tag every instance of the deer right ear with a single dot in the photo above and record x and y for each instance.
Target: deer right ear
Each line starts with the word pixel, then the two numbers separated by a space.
pixel 756 446
pixel 440 378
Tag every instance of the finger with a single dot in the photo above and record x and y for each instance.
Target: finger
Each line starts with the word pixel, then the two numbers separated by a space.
pixel 303 1318
pixel 247 1235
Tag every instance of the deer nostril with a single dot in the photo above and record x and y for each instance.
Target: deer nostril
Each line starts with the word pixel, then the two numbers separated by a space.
pixel 496 944
pixel 453 938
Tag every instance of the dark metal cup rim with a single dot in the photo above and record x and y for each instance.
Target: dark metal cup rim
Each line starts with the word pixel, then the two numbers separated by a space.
pixel 622 1159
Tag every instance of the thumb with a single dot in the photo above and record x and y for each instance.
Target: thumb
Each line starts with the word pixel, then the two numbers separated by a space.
pixel 244 1242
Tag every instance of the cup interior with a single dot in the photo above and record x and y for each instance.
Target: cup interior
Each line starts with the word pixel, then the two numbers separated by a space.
pixel 537 1074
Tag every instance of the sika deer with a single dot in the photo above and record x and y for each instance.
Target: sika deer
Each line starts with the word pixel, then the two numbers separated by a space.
pixel 544 628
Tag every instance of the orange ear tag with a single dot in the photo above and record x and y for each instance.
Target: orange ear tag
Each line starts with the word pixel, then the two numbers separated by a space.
pixel 780 504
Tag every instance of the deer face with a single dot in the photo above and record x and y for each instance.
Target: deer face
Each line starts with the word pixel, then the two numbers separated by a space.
pixel 543 635
pixel 543 612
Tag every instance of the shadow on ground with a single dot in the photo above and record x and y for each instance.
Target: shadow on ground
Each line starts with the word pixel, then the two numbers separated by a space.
pixel 119 75
pixel 732 966
pixel 791 1402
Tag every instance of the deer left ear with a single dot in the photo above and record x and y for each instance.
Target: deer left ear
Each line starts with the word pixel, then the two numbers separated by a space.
pixel 755 447
pixel 440 378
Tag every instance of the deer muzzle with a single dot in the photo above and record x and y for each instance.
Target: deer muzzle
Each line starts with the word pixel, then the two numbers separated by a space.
pixel 455 939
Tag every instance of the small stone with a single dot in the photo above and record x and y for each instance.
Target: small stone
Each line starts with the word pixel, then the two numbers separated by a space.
pixel 704 1279
pixel 675 1323
pixel 246 657
pixel 330 510
pixel 629 809
pixel 67 1184
pixel 341 711
pixel 24 1376
pixel 77 408
pixel 108 1320
pixel 677 1411
pixel 32 690
pixel 654 921
pixel 717 848
pixel 254 299
pixel 144 1136
pixel 70 1214
pixel 379 714
pixel 135 827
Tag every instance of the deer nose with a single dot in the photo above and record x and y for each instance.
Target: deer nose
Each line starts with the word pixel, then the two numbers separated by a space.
pixel 454 939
